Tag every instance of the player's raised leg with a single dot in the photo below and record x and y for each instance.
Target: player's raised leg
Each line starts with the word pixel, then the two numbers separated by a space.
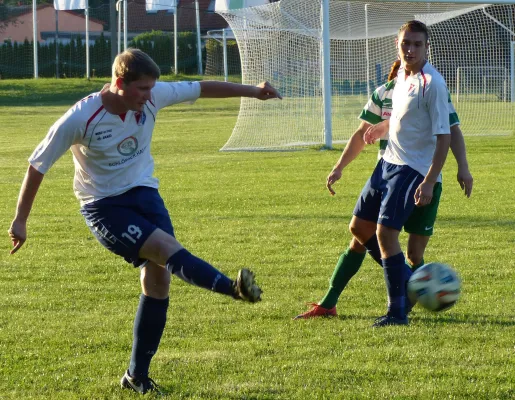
pixel 164 249
pixel 155 282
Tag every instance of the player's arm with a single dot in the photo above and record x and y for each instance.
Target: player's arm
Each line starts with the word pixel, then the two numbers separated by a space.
pixel 459 151
pixel 29 189
pixel 377 131
pixel 217 89
pixel 354 146
pixel 439 112
pixel 65 132
pixel 424 193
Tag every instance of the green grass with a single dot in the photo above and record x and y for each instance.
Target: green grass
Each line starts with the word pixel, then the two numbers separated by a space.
pixel 68 304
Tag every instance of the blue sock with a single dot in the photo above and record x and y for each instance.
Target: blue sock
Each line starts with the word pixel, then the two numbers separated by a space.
pixel 395 276
pixel 148 328
pixel 197 272
pixel 372 246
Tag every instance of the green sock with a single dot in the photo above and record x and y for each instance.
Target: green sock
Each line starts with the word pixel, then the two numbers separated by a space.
pixel 415 267
pixel 347 266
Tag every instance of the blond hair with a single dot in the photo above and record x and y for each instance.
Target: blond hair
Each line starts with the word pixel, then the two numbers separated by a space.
pixel 132 64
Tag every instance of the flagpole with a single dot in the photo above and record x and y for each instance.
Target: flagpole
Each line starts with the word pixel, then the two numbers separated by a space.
pixel 86 13
pixel 175 55
pixel 199 49
pixel 119 9
pixel 124 25
pixel 35 37
pixel 56 44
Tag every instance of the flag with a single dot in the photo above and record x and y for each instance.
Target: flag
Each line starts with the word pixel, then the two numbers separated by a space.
pixel 156 5
pixel 70 4
pixel 226 5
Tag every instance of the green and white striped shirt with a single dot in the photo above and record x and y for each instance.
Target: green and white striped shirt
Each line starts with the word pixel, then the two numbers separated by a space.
pixel 379 108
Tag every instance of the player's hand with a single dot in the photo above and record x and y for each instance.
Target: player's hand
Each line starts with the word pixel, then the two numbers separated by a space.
pixel 424 194
pixel 18 234
pixel 267 91
pixel 465 180
pixel 373 133
pixel 333 177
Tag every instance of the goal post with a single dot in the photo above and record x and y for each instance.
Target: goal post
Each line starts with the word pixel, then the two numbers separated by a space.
pixel 512 71
pixel 287 44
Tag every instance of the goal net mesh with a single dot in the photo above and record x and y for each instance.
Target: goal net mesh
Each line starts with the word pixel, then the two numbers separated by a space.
pixel 282 42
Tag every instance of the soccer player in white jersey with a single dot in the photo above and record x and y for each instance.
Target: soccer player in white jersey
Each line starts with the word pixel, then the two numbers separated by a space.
pixel 378 109
pixel 418 143
pixel 109 134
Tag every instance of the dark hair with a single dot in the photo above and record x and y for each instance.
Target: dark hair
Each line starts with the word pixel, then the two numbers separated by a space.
pixel 393 70
pixel 415 26
pixel 132 64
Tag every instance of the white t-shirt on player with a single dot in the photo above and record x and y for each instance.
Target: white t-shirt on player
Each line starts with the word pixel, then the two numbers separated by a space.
pixel 111 153
pixel 420 112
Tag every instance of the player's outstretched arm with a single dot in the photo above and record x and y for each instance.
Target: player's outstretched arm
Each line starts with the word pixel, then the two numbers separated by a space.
pixel 29 189
pixel 460 154
pixel 354 146
pixel 217 89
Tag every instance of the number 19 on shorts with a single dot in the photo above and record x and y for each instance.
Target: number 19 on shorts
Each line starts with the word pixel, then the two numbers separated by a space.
pixel 133 233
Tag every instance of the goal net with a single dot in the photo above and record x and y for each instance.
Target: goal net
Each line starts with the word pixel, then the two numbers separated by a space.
pixel 282 42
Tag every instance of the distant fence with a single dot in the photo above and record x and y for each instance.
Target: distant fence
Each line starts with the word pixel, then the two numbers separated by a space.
pixel 61 49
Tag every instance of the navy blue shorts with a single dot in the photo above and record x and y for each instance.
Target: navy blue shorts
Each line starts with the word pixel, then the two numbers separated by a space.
pixel 388 197
pixel 123 223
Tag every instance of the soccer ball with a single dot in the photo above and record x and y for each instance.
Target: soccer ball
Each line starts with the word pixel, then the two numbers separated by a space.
pixel 435 286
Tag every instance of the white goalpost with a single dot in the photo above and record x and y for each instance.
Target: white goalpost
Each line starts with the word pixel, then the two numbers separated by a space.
pixel 512 71
pixel 327 56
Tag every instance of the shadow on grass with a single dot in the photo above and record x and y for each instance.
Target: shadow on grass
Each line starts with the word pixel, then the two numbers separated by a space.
pixel 171 391
pixel 466 220
pixel 430 319
pixel 466 319
pixel 475 222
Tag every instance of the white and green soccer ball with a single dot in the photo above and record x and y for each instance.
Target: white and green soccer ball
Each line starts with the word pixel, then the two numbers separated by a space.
pixel 435 286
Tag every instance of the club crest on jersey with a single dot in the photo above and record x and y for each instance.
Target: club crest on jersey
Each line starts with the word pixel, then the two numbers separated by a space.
pixel 411 89
pixel 128 146
pixel 141 117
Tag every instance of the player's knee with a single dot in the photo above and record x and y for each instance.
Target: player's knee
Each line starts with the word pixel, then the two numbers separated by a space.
pixel 383 235
pixel 356 246
pixel 155 281
pixel 361 229
pixel 357 231
pixel 159 246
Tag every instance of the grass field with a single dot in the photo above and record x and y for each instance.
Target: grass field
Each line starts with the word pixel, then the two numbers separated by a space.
pixel 68 304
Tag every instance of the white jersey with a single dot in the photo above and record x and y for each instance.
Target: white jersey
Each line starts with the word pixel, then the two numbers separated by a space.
pixel 420 112
pixel 111 152
pixel 379 108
